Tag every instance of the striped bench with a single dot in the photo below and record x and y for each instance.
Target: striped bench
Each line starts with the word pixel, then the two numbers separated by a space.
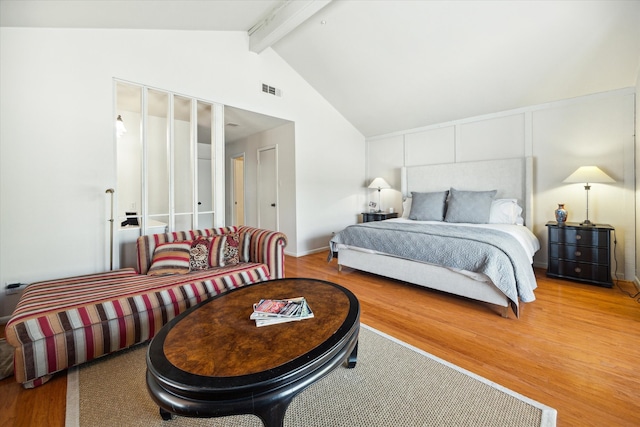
pixel 62 323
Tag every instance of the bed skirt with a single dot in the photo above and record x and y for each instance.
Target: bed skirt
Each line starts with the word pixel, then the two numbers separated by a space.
pixel 423 274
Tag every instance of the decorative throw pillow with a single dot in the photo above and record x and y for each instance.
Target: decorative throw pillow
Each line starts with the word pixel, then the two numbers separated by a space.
pixel 231 249
pixel 469 206
pixel 245 246
pixel 171 258
pixel 199 253
pixel 428 206
pixel 216 251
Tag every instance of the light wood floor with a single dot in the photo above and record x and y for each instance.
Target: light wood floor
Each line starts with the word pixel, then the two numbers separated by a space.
pixel 576 348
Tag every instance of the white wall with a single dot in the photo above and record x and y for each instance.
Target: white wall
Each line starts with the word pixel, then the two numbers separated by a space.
pixel 57 141
pixel 637 182
pixel 561 136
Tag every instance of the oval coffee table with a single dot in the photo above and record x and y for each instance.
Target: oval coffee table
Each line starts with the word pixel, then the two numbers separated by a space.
pixel 213 361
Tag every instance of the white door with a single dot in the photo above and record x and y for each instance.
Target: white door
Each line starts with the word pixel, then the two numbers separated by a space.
pixel 268 188
pixel 238 190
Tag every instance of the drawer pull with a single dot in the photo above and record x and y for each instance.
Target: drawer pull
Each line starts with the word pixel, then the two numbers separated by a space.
pixel 577 270
pixel 578 237
pixel 578 253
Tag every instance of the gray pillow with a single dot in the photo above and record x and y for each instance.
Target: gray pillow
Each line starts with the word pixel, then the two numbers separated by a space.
pixel 428 206
pixel 469 206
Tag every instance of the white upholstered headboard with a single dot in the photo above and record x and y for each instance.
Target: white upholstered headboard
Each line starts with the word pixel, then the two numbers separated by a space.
pixel 512 178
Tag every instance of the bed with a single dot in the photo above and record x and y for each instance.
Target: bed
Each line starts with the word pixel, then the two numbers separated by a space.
pixel 500 274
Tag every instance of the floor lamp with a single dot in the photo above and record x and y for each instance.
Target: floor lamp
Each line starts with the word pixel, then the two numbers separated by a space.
pixel 589 175
pixel 111 191
pixel 379 183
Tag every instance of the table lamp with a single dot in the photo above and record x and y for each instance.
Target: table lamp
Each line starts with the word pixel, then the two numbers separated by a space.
pixel 588 175
pixel 379 183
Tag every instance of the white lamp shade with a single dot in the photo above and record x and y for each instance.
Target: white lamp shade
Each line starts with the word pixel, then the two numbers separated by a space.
pixel 589 174
pixel 379 183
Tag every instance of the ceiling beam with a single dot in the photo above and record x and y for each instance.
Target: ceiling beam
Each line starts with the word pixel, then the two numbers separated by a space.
pixel 281 21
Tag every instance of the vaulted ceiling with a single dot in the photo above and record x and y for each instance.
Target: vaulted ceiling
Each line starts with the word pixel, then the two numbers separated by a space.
pixel 393 65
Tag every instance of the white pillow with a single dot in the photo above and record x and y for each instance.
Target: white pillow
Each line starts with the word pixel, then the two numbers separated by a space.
pixel 406 207
pixel 505 211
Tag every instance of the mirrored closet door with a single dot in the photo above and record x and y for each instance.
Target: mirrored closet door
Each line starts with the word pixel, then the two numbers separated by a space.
pixel 167 165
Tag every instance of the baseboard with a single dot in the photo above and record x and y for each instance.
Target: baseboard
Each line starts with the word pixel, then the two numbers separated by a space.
pixel 636 283
pixel 312 251
pixel 540 265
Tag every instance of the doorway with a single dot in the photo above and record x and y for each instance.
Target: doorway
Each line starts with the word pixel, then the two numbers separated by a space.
pixel 246 133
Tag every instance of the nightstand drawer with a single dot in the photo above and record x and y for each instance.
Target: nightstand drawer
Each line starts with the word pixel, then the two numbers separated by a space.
pixel 591 254
pixel 580 271
pixel 577 236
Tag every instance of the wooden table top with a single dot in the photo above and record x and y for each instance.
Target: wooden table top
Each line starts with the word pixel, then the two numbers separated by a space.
pixel 217 339
pixel 213 361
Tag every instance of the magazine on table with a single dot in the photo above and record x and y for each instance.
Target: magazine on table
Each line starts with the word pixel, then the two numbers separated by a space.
pixel 273 311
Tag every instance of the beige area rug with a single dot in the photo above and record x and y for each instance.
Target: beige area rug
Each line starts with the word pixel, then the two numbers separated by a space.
pixel 393 384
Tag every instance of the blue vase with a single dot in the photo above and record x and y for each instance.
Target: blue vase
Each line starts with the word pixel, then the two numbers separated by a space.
pixel 561 214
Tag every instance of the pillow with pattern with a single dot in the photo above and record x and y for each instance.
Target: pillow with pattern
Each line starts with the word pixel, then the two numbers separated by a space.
pixel 199 253
pixel 245 246
pixel 231 249
pixel 216 251
pixel 171 258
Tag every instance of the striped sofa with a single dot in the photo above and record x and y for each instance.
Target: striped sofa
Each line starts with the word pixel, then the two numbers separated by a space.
pixel 62 323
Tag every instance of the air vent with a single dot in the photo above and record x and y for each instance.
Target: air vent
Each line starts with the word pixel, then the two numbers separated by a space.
pixel 271 90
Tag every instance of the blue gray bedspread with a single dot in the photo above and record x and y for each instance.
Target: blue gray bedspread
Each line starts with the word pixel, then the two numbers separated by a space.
pixel 492 252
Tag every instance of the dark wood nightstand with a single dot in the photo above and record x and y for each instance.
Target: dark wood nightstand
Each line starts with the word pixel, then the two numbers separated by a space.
pixel 377 216
pixel 581 253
